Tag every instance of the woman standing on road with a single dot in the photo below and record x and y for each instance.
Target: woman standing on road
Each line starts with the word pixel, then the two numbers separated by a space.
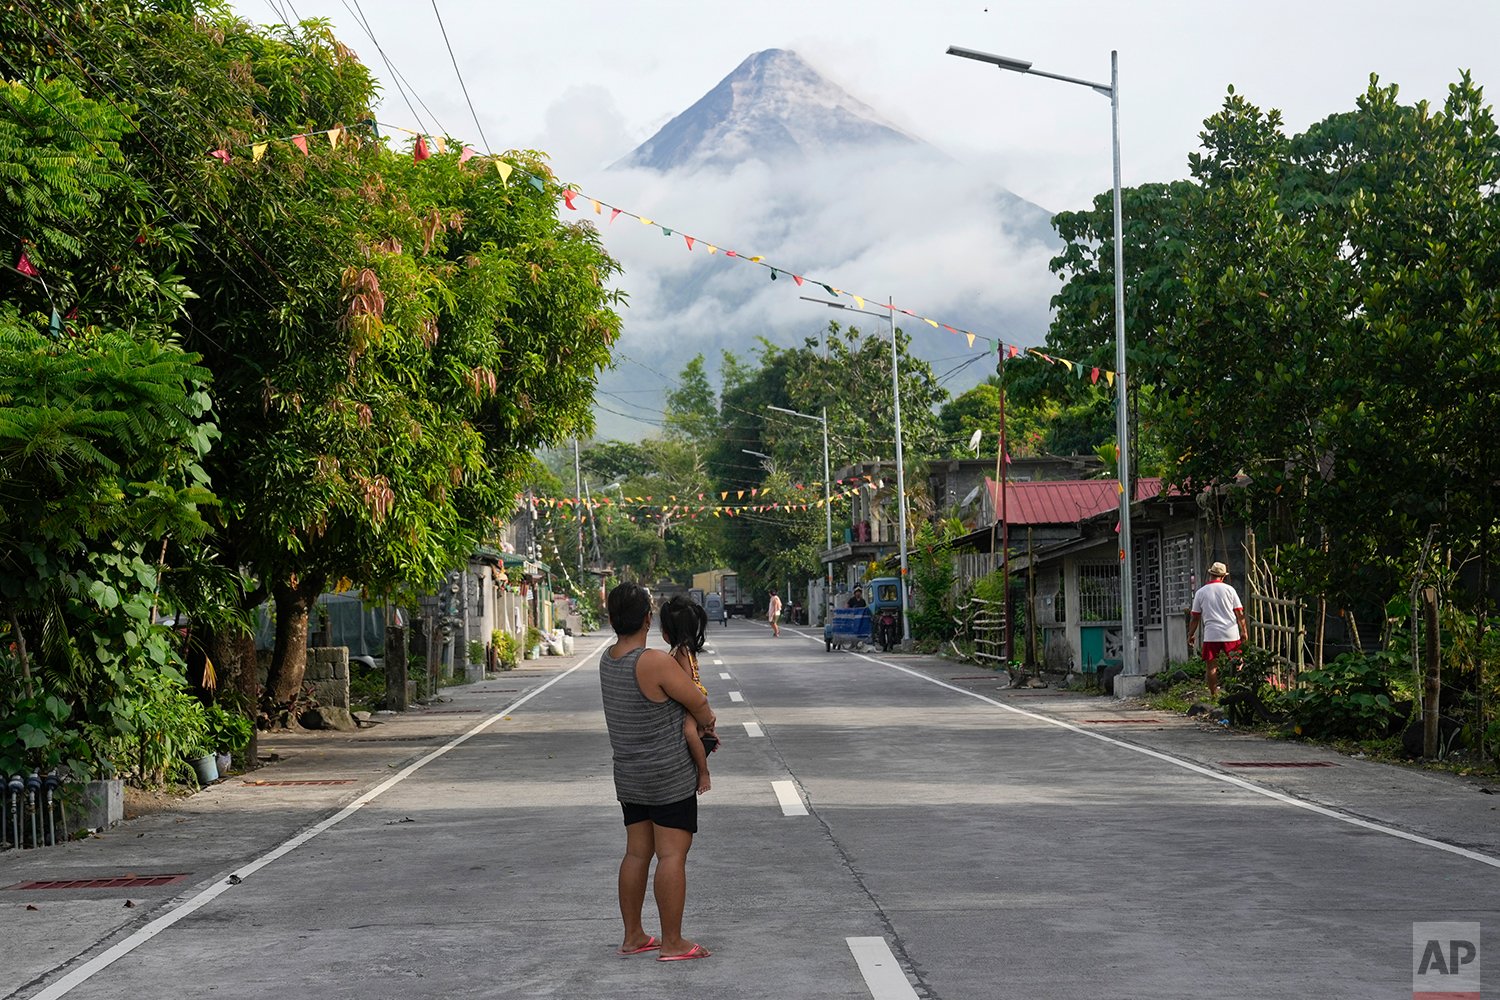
pixel 646 699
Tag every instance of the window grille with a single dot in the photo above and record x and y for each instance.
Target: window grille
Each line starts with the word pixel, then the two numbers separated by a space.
pixel 1147 580
pixel 1099 592
pixel 1177 574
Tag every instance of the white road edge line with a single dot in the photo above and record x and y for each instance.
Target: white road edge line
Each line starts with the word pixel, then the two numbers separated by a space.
pixel 1188 765
pixel 882 972
pixel 791 802
pixel 753 730
pixel 725 677
pixel 118 951
pixel 736 696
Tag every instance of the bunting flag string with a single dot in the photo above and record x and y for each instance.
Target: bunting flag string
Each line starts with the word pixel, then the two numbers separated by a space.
pixel 569 196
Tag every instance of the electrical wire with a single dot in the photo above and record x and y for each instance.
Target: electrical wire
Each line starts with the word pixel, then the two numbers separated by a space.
pixel 396 78
pixel 459 73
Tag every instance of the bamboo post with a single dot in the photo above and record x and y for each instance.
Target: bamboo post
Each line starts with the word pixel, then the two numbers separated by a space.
pixel 1432 688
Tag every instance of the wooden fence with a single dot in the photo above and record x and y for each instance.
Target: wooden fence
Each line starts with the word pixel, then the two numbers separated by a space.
pixel 1277 623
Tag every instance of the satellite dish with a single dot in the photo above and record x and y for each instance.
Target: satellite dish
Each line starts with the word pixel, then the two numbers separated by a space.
pixel 973 495
pixel 974 440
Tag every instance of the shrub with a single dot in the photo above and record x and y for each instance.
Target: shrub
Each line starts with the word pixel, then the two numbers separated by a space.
pixel 228 730
pixel 507 652
pixel 533 637
pixel 1350 697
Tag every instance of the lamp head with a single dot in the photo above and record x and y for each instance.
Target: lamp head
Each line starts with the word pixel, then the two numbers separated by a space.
pixel 1003 62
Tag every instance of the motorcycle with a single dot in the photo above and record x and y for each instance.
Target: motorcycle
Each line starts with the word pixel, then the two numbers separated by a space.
pixel 887 628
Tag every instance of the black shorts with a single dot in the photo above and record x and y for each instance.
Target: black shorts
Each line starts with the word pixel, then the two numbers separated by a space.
pixel 681 815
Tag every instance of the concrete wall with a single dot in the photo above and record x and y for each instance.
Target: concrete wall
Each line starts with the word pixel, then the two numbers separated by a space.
pixel 328 675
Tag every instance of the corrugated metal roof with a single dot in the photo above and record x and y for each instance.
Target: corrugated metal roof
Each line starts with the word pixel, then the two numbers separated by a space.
pixel 1063 501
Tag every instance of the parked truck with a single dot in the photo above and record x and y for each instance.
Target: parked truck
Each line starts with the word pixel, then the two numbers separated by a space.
pixel 725 583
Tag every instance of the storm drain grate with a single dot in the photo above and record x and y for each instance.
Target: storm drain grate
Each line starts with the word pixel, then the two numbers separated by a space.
pixel 1129 722
pixel 118 882
pixel 1277 763
pixel 396 739
pixel 977 677
pixel 303 782
pixel 454 711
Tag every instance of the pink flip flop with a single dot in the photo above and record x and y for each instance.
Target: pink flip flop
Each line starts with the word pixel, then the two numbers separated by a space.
pixel 651 945
pixel 696 951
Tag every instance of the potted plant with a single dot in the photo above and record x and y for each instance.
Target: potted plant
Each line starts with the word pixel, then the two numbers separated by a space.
pixel 533 642
pixel 205 762
pixel 229 733
pixel 506 649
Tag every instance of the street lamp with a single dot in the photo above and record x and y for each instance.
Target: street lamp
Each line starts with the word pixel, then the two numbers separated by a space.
pixel 900 467
pixel 827 497
pixel 1131 659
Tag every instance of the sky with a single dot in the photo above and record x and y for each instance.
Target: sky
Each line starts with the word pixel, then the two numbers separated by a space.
pixel 587 82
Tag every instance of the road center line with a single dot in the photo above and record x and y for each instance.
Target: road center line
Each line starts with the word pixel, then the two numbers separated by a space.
pixel 882 972
pixel 736 696
pixel 791 802
pixel 718 663
pixel 1188 765
pixel 753 730
pixel 102 961
pixel 725 677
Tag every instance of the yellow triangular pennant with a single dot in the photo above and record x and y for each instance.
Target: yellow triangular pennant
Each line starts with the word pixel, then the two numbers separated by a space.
pixel 861 300
pixel 933 323
pixel 440 143
pixel 258 150
pixel 971 339
pixel 1109 377
pixel 333 136
pixel 503 169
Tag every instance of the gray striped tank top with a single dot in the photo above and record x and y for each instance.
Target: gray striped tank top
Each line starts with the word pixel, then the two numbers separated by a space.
pixel 652 764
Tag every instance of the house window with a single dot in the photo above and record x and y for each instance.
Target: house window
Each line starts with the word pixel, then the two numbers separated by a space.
pixel 1177 573
pixel 1148 580
pixel 1099 592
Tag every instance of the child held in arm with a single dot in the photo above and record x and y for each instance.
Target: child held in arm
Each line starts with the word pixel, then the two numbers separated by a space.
pixel 684 625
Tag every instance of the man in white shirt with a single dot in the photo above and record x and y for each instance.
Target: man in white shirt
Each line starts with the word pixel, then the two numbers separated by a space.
pixel 773 612
pixel 1217 607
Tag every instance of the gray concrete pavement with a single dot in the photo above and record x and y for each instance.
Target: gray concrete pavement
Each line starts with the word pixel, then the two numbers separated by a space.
pixel 996 854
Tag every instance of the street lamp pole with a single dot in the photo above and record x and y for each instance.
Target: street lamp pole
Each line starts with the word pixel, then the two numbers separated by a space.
pixel 900 467
pixel 822 418
pixel 1130 653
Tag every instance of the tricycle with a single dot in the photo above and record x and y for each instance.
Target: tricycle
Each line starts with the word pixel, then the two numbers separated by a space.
pixel 846 627
pixel 885 612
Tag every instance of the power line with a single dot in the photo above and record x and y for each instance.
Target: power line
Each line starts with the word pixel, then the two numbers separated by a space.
pixel 396 78
pixel 459 73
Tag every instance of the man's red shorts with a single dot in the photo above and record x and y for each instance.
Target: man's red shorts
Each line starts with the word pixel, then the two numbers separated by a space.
pixel 1213 650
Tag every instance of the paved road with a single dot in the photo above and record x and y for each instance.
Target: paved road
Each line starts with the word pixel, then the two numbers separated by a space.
pixel 937 845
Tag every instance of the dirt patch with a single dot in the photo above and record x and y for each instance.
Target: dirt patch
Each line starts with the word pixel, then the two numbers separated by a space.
pixel 145 802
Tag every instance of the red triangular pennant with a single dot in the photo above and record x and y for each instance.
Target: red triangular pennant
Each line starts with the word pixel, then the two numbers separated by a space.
pixel 300 141
pixel 466 155
pixel 1094 376
pixel 26 267
pixel 689 241
pixel 418 153
pixel 222 154
pixel 615 214
pixel 568 195
pixel 798 279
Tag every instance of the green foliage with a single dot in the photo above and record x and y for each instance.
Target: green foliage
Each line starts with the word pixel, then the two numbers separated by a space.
pixel 1027 424
pixel 1350 698
pixel 507 652
pixel 228 730
pixel 533 637
pixel 169 727
pixel 476 651
pixel 933 616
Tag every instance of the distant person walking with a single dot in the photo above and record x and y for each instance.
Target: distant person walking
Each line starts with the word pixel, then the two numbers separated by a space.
pixel 773 611
pixel 1218 609
pixel 647 697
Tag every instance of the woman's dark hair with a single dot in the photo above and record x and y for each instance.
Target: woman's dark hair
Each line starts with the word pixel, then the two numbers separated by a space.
pixel 628 604
pixel 684 624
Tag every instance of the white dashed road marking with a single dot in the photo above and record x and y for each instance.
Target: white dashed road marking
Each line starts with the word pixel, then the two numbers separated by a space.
pixel 753 729
pixel 791 802
pixel 882 972
pixel 725 677
pixel 736 696
pixel 718 663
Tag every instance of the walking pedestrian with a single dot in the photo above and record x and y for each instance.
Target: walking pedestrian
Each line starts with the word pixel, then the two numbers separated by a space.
pixel 773 611
pixel 646 699
pixel 1218 609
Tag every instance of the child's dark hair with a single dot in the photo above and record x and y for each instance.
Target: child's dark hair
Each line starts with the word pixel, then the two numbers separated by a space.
pixel 628 605
pixel 684 624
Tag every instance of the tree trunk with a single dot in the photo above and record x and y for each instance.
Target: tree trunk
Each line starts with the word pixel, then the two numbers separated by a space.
pixel 294 604
pixel 233 653
pixel 1432 688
